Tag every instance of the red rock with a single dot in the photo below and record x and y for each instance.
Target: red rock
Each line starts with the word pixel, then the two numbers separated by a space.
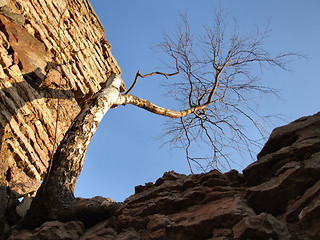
pixel 282 188
pixel 309 217
pixel 52 231
pixel 263 226
pixel 294 209
pixel 293 142
pixel 201 220
pixel 100 231
pixel 35 57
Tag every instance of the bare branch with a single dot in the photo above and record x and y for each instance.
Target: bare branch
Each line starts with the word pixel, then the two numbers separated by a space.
pixel 215 81
pixel 216 87
pixel 188 145
pixel 134 83
pixel 145 104
pixel 138 74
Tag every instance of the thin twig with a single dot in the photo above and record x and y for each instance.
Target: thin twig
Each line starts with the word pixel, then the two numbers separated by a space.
pixel 188 145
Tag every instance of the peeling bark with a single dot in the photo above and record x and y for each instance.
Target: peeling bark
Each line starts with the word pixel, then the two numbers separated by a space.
pixel 57 190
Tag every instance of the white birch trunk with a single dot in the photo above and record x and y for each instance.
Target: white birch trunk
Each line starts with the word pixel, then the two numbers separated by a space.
pixel 57 190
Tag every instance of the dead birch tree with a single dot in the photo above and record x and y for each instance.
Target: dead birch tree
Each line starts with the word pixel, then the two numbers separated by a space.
pixel 213 81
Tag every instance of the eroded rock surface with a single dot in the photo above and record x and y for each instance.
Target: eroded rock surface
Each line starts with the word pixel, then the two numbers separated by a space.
pixel 277 197
pixel 53 56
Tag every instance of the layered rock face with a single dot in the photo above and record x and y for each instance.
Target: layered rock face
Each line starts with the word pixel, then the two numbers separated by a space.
pixel 53 55
pixel 276 197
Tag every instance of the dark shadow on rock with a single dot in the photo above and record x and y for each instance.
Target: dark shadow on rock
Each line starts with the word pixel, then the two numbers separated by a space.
pixel 32 82
pixel 26 91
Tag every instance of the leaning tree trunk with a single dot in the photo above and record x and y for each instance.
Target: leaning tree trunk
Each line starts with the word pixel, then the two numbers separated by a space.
pixel 57 190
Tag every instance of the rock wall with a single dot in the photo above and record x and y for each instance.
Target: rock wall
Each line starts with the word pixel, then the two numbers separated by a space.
pixel 53 55
pixel 276 197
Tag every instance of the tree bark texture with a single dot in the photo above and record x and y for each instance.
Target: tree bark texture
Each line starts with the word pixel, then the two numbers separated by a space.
pixel 57 190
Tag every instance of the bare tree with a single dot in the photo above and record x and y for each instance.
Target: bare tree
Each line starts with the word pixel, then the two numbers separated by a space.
pixel 215 87
pixel 213 83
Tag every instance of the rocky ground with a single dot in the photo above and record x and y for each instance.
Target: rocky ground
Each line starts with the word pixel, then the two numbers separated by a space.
pixel 277 197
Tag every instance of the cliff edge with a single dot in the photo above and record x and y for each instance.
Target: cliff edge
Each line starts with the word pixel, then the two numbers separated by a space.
pixel 276 197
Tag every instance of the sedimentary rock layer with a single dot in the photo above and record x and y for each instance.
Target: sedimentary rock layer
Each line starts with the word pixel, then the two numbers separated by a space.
pixel 49 50
pixel 54 55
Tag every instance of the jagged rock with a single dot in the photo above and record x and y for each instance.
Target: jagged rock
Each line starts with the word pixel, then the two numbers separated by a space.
pixel 100 231
pixel 287 169
pixel 309 217
pixel 294 142
pixel 263 226
pixel 52 231
pixel 35 56
pixel 90 211
pixel 295 208
pixel 284 187
pixel 128 234
pixel 282 204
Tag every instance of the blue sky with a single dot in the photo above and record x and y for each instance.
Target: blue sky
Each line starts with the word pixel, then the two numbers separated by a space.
pixel 125 151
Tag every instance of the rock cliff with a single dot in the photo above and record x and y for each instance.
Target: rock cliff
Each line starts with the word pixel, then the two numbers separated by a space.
pixel 53 56
pixel 276 197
